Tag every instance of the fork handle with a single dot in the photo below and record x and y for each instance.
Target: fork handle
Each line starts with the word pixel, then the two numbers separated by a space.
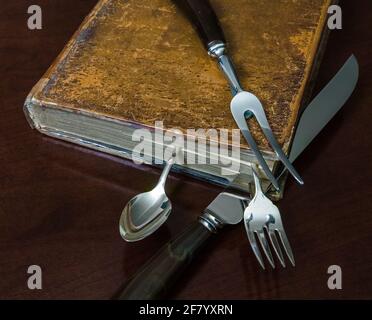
pixel 204 20
pixel 155 278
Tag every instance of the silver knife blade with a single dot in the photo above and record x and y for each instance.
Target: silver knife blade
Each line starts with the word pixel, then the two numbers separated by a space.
pixel 228 207
pixel 324 106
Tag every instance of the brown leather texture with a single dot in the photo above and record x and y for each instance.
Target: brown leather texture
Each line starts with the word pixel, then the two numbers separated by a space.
pixel 142 61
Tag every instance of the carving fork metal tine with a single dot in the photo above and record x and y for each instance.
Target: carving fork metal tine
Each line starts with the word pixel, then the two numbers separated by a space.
pixel 239 117
pixel 260 116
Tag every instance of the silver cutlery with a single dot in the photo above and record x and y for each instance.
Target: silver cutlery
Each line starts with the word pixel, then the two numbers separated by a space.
pixel 323 108
pixel 244 104
pixel 146 212
pixel 157 276
pixel 264 225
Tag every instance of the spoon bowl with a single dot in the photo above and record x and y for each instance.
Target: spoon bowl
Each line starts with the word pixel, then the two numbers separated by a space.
pixel 146 212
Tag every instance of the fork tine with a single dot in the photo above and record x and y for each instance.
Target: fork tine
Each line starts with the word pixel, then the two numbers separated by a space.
pixel 278 150
pixel 255 248
pixel 260 116
pixel 252 143
pixel 287 246
pixel 276 246
pixel 266 248
pixel 240 119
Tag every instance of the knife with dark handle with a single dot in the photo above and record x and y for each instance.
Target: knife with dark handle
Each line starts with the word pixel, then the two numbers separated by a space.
pixel 154 279
pixel 157 276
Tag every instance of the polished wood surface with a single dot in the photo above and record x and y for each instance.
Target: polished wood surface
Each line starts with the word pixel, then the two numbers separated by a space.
pixel 60 204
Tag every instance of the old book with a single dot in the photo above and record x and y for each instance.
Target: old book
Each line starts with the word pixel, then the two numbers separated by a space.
pixel 134 62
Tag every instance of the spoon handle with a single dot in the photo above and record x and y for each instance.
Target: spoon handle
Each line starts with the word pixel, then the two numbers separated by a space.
pixel 165 172
pixel 154 279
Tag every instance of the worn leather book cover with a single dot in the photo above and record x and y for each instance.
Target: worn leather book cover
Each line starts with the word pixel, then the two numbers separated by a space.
pixel 135 62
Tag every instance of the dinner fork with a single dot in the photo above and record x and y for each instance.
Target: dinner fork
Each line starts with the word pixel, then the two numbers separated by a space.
pixel 244 104
pixel 264 225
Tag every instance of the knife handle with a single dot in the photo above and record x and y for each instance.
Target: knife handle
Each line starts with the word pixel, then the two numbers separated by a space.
pixel 154 279
pixel 204 20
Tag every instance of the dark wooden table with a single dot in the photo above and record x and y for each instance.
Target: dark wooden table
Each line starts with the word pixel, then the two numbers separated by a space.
pixel 60 204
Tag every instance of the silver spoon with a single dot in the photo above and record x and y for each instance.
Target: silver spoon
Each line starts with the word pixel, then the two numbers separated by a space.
pixel 146 212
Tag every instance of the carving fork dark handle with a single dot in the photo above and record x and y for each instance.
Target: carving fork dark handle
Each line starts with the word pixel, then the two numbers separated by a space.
pixel 203 18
